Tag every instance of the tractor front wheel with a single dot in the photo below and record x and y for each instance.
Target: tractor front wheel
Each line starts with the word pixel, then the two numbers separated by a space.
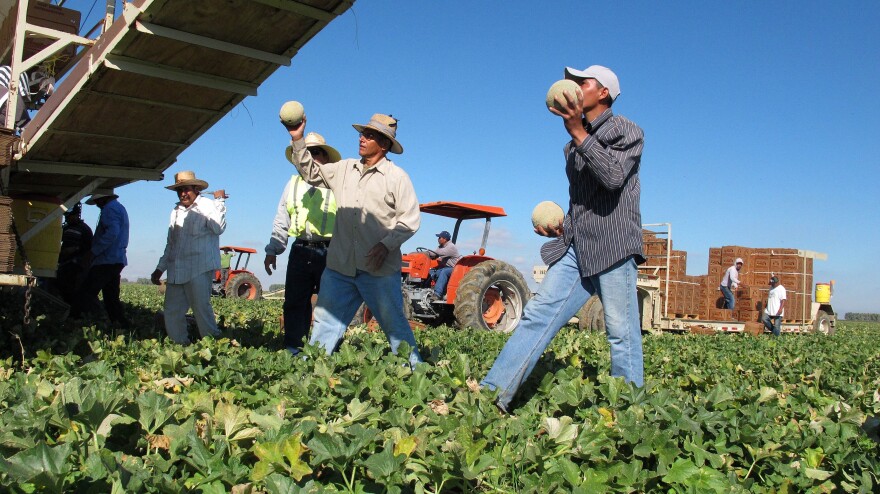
pixel 591 317
pixel 365 316
pixel 244 285
pixel 491 296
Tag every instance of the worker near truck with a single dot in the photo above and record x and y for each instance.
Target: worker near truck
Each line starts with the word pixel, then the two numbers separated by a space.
pixel 775 309
pixel 599 244
pixel 307 214
pixel 106 260
pixel 729 283
pixel 447 257
pixel 191 256
pixel 377 212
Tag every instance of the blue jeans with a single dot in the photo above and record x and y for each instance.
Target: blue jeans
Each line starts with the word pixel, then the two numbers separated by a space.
pixel 304 268
pixel 340 298
pixel 443 275
pixel 562 293
pixel 773 323
pixel 729 300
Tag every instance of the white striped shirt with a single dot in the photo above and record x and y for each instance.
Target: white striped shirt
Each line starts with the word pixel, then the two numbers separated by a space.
pixel 23 81
pixel 193 245
pixel 604 218
pixel 23 90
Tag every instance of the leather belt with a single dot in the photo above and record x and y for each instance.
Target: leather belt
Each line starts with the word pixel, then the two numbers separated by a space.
pixel 321 244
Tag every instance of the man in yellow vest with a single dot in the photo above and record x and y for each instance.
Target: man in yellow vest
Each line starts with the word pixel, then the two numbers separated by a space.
pixel 307 214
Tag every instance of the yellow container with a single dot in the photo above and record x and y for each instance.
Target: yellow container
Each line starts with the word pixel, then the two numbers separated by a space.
pixel 43 248
pixel 823 293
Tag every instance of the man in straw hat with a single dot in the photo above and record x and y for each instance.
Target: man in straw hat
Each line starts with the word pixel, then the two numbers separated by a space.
pixel 105 260
pixel 308 214
pixel 377 212
pixel 598 246
pixel 192 255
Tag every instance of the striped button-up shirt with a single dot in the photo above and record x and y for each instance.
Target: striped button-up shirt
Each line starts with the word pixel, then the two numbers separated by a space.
pixel 375 204
pixel 604 219
pixel 193 245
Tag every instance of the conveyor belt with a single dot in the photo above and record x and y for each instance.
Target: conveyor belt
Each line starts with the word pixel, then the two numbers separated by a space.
pixel 162 75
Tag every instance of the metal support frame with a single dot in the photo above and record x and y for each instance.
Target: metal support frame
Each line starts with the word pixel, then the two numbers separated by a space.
pixel 89 169
pixel 22 29
pixel 60 210
pixel 142 101
pixel 204 41
pixel 170 73
pixel 668 253
pixel 300 8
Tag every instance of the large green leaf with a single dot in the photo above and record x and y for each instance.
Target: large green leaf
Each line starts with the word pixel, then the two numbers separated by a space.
pixel 44 466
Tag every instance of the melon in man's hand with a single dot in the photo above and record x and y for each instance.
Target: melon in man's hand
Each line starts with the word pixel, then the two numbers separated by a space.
pixel 547 214
pixel 291 113
pixel 560 89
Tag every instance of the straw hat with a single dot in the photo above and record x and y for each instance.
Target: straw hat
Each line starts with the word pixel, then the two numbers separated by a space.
pixel 314 139
pixel 187 178
pixel 385 125
pixel 91 201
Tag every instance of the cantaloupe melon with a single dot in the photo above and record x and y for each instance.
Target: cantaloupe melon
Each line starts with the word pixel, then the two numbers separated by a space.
pixel 560 87
pixel 291 113
pixel 547 214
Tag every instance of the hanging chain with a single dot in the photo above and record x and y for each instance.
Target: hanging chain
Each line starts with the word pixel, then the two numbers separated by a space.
pixel 32 281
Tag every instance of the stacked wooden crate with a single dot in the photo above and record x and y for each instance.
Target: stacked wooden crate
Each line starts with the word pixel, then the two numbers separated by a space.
pixel 42 14
pixel 7 238
pixel 684 294
pixel 759 264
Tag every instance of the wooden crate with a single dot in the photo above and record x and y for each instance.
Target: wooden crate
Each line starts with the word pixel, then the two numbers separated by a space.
pixel 43 15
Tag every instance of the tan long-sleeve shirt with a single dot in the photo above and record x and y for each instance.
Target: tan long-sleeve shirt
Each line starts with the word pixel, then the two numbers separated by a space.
pixel 375 204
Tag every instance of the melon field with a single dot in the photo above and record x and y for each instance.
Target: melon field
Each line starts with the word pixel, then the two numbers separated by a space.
pixel 91 409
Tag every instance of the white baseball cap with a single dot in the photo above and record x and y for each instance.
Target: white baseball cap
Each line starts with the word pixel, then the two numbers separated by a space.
pixel 739 261
pixel 602 74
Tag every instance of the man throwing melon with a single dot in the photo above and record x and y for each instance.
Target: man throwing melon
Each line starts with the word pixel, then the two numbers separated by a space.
pixel 599 244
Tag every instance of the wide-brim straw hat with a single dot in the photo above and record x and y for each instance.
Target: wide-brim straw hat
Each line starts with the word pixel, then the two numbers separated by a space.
pixel 187 178
pixel 385 125
pixel 316 140
pixel 94 198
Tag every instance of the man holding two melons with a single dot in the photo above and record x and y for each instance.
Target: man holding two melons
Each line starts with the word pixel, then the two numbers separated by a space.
pixel 596 248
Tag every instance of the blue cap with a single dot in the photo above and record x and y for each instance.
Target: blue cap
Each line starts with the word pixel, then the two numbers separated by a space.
pixel 445 234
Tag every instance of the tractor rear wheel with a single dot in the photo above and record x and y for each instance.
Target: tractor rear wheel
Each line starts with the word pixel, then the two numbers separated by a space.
pixel 822 323
pixel 491 296
pixel 244 285
pixel 591 317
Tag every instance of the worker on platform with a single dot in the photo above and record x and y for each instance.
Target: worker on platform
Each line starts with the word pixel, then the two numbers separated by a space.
pixel 378 212
pixel 192 255
pixel 729 283
pixel 307 214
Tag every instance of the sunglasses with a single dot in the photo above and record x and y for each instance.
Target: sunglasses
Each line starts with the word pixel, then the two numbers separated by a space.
pixel 316 150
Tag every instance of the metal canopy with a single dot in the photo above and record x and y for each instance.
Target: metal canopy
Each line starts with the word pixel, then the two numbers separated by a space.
pixel 462 210
pixel 156 80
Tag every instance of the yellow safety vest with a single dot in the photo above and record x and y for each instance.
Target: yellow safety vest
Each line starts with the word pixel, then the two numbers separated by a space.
pixel 309 207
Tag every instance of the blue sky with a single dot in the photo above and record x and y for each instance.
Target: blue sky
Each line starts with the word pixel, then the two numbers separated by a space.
pixel 760 119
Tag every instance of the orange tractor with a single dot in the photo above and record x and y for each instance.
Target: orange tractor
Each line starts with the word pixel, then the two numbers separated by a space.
pixel 240 283
pixel 482 293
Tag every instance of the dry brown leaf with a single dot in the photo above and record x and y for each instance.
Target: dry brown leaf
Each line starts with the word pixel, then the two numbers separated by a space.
pixel 159 441
pixel 440 407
